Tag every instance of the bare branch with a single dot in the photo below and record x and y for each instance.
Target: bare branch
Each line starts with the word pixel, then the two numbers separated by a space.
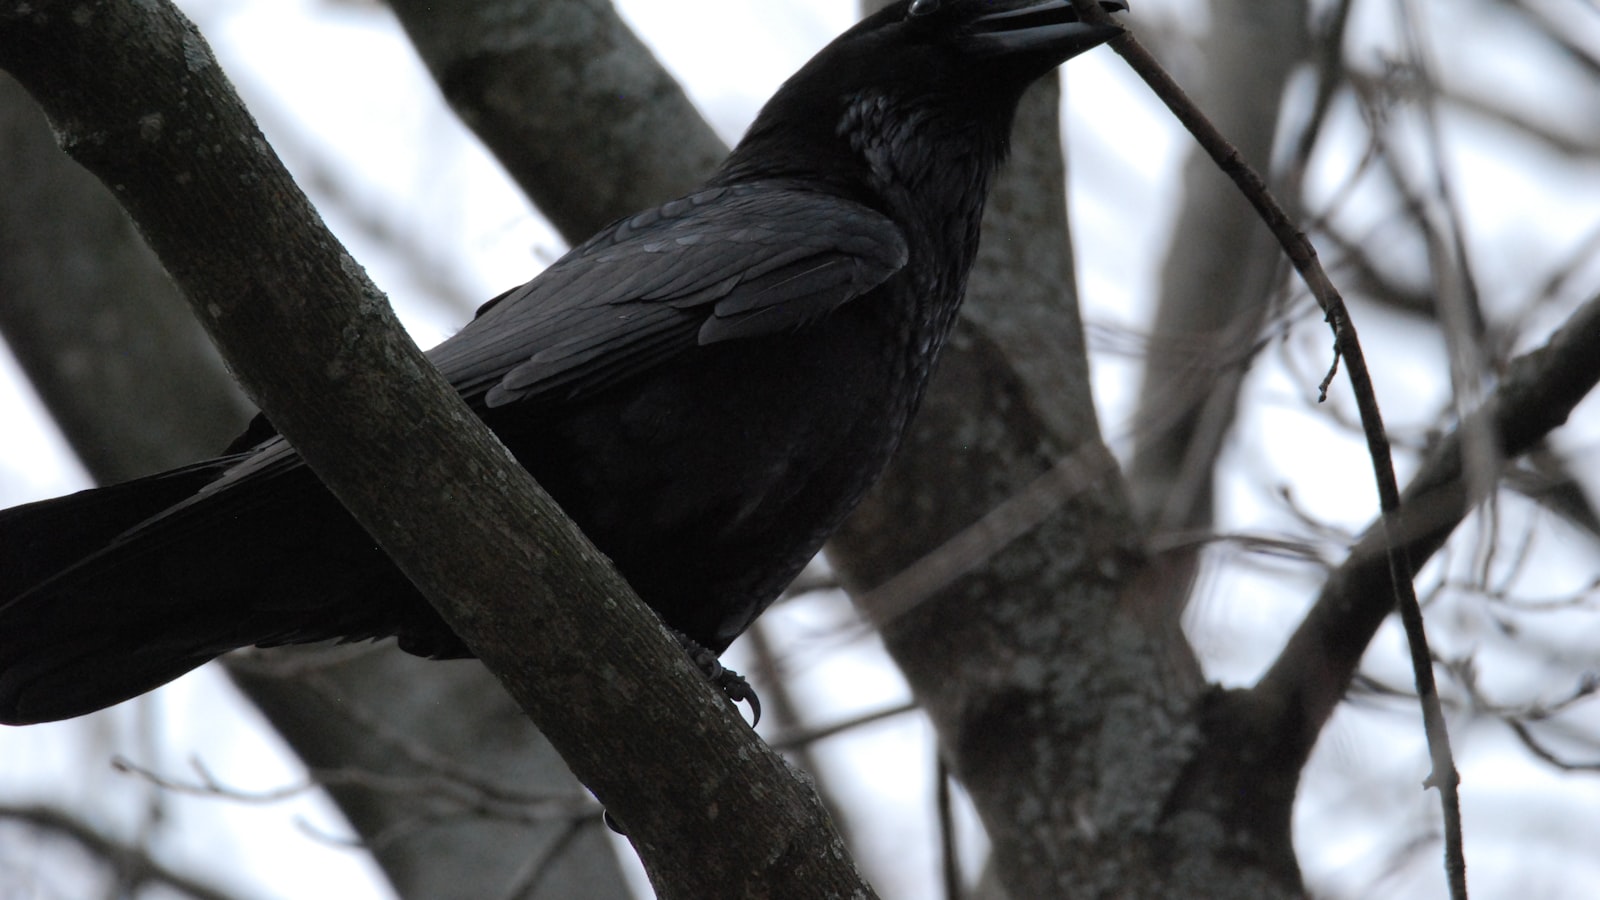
pixel 1320 660
pixel 531 77
pixel 134 867
pixel 1348 347
pixel 822 733
pixel 137 98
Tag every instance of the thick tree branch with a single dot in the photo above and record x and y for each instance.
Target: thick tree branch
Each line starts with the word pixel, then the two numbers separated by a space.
pixel 1539 391
pixel 112 346
pixel 1061 708
pixel 535 78
pixel 136 97
pixel 122 363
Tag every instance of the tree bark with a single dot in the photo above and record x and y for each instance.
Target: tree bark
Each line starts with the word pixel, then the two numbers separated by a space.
pixel 1069 714
pixel 1069 707
pixel 569 100
pixel 119 360
pixel 136 97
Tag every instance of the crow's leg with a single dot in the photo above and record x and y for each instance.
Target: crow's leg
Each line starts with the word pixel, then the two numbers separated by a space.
pixel 731 683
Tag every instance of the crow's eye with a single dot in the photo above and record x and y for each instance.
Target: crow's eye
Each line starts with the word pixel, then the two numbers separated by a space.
pixel 923 7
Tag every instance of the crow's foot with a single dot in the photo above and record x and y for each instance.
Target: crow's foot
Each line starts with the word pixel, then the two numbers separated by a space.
pixel 730 683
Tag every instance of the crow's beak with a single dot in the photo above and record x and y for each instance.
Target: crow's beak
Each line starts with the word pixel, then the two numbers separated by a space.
pixel 1046 26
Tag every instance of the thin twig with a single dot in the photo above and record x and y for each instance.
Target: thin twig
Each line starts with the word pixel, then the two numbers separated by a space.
pixel 812 735
pixel 1525 735
pixel 424 788
pixel 951 865
pixel 134 865
pixel 540 864
pixel 1348 347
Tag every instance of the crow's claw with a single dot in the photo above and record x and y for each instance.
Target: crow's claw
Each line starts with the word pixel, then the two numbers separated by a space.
pixel 730 683
pixel 735 688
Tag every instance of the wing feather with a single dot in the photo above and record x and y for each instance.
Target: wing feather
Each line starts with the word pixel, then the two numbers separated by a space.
pixel 720 265
pixel 728 263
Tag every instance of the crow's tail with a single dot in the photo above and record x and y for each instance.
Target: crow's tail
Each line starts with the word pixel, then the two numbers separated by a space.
pixel 109 593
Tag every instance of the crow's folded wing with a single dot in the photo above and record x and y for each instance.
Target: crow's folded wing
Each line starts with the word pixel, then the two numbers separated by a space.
pixel 722 264
pixel 718 265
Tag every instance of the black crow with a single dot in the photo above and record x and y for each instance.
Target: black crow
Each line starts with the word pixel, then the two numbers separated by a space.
pixel 707 387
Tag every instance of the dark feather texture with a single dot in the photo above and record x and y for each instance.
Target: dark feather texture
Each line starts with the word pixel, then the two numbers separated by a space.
pixel 707 387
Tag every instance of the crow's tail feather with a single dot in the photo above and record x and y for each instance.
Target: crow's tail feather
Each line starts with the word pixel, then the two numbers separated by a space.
pixel 109 593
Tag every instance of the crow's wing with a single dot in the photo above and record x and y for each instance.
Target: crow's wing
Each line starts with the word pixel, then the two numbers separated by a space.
pixel 718 265
pixel 722 264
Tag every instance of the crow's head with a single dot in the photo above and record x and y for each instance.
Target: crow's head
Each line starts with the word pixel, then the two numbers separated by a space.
pixel 945 72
